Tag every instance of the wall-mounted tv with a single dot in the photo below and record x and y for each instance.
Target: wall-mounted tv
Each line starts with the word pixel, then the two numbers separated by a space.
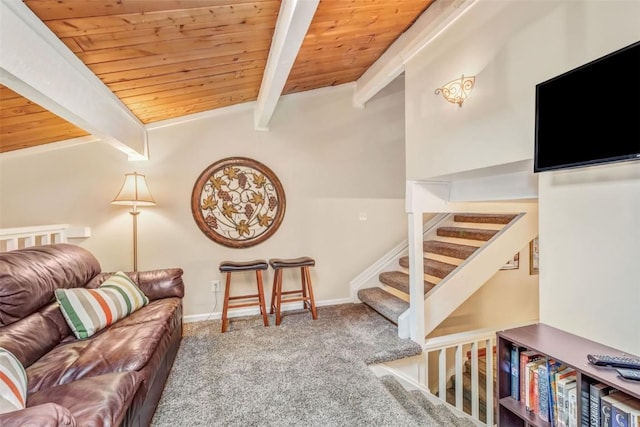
pixel 591 114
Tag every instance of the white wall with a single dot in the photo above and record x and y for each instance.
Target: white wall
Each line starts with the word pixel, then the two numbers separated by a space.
pixel 334 162
pixel 509 297
pixel 589 224
pixel 590 252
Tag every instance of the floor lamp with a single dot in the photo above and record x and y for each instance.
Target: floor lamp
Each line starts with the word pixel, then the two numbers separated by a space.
pixel 134 192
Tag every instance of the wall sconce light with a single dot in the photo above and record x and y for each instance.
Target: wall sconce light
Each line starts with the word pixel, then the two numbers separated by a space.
pixel 456 91
pixel 134 192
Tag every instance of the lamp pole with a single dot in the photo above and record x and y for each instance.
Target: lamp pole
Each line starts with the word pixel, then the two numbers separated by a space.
pixel 134 215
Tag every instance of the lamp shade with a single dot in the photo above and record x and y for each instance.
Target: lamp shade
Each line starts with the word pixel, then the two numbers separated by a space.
pixel 134 192
pixel 456 91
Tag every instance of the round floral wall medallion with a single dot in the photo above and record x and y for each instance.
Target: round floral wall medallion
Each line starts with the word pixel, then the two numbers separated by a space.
pixel 238 202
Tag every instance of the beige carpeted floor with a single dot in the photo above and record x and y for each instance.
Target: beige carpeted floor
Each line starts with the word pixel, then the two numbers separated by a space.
pixel 301 373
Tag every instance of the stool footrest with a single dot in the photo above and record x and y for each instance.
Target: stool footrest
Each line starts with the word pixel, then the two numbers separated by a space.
pixel 246 304
pixel 299 291
pixel 295 299
pixel 244 296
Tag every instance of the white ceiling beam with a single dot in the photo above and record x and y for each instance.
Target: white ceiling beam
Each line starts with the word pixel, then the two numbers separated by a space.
pixel 293 23
pixel 390 65
pixel 38 65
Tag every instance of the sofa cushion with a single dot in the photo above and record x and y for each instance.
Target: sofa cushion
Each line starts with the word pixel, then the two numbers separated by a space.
pixel 19 337
pixel 90 310
pixel 13 383
pixel 127 345
pixel 28 277
pixel 45 415
pixel 96 401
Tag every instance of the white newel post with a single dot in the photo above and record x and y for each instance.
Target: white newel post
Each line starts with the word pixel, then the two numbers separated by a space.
pixel 416 278
pixel 420 197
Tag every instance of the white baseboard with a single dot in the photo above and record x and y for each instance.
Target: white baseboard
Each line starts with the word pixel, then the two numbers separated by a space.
pixel 254 311
pixel 407 381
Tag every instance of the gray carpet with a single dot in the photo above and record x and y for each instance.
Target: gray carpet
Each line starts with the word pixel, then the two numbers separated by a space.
pixel 303 372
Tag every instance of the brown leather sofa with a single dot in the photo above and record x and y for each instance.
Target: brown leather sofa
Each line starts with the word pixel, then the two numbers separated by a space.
pixel 112 378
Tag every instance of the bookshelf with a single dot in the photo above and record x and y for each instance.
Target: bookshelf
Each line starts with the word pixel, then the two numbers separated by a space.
pixel 562 346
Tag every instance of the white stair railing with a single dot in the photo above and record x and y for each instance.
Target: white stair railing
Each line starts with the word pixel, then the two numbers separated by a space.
pixel 445 356
pixel 474 343
pixel 25 237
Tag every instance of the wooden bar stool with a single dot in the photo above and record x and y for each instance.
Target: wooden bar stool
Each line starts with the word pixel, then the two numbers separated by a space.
pixel 306 291
pixel 229 267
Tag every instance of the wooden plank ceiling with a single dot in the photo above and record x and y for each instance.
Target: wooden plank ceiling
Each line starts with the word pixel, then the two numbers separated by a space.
pixel 25 124
pixel 169 58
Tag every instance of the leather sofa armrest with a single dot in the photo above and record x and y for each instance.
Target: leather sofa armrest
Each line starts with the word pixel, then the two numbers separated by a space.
pixel 158 284
pixel 44 415
pixel 155 284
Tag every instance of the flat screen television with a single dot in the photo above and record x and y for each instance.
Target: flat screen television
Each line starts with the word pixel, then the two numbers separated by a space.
pixel 591 114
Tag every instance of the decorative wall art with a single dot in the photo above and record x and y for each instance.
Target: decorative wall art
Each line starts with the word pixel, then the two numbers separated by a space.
pixel 534 254
pixel 513 263
pixel 238 202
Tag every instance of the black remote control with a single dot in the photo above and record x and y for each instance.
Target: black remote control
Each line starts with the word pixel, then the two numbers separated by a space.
pixel 614 361
pixel 630 374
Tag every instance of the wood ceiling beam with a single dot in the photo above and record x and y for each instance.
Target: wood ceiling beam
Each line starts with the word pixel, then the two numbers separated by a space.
pixel 38 66
pixel 438 16
pixel 293 23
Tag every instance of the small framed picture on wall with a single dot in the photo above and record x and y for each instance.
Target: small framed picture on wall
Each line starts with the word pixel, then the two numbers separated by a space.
pixel 513 263
pixel 534 254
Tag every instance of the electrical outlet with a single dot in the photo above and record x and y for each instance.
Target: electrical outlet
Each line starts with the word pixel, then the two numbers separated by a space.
pixel 215 286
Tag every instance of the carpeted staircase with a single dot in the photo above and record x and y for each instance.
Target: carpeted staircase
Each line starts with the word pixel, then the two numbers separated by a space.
pixel 466 386
pixel 421 409
pixel 450 246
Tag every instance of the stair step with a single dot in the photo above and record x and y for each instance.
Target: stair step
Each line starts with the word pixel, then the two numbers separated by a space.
pixel 482 368
pixel 484 218
pixel 420 408
pixel 466 387
pixel 408 402
pixel 466 404
pixel 466 233
pixel 452 250
pixel 400 281
pixel 383 302
pixel 466 395
pixel 431 267
pixel 440 412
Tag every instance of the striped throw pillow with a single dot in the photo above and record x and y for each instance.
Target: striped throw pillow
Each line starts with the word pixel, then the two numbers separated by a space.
pixel 13 383
pixel 89 310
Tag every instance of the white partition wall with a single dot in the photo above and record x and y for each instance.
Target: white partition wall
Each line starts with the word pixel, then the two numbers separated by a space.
pixel 589 220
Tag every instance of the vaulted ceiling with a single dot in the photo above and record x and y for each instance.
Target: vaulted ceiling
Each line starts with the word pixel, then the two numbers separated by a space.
pixel 171 58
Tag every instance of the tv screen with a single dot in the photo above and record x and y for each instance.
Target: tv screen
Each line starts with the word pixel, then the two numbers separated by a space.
pixel 591 114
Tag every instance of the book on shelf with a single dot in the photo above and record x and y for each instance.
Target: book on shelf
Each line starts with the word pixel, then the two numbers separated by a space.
pixel 584 403
pixel 543 392
pixel 553 367
pixel 526 357
pixel 573 408
pixel 596 391
pixel 625 412
pixel 564 383
pixel 606 407
pixel 515 372
pixel 531 369
pixel 535 404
